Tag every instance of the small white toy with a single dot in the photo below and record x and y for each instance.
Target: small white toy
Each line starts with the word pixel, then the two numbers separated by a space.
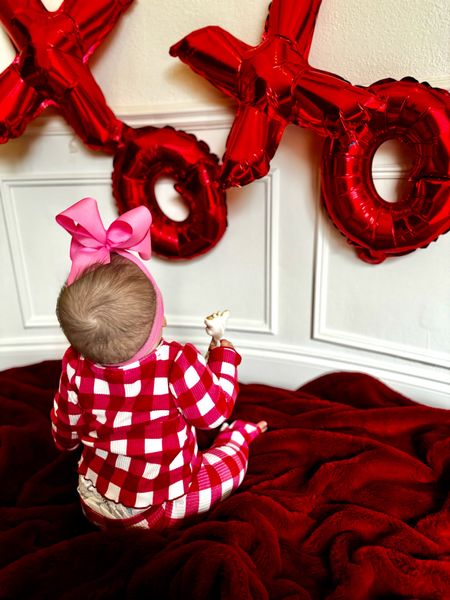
pixel 216 324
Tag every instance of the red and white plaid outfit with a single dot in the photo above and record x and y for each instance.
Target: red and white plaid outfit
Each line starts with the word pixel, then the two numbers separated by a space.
pixel 137 426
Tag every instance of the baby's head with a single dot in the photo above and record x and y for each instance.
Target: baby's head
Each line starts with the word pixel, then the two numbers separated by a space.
pixel 107 313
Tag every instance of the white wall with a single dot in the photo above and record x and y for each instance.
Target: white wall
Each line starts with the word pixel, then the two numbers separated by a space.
pixel 302 303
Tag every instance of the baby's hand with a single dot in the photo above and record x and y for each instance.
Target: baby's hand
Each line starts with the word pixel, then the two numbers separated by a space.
pixel 215 326
pixel 226 344
pixel 223 343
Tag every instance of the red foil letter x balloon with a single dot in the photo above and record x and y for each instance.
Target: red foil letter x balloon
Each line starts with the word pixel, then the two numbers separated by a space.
pixel 51 69
pixel 274 86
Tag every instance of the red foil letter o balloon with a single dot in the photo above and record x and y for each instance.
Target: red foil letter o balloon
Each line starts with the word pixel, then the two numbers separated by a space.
pixel 419 116
pixel 150 153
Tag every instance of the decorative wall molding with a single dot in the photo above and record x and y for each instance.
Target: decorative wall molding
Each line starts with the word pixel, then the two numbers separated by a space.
pixel 294 365
pixel 323 333
pixel 266 355
pixel 272 201
pixel 185 115
pixel 325 359
pixel 31 320
pixel 269 324
pixel 186 118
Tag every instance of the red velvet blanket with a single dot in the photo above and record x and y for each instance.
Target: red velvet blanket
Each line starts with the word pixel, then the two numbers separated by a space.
pixel 346 497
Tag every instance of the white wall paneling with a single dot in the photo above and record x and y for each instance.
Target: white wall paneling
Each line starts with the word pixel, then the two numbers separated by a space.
pixel 240 273
pixel 349 324
pixel 35 249
pixel 302 303
pixel 23 199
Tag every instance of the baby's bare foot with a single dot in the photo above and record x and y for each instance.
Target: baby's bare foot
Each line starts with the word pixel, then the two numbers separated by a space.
pixel 262 426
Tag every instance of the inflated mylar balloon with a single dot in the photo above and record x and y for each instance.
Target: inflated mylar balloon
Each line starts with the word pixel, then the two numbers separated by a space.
pixel 274 85
pixel 419 117
pixel 150 153
pixel 51 69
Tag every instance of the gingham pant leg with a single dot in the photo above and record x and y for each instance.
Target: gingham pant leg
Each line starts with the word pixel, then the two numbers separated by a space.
pixel 222 471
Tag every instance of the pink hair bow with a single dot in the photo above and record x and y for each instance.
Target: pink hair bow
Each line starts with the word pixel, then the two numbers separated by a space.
pixel 92 243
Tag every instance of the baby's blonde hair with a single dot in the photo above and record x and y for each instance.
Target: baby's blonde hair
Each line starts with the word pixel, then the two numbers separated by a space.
pixel 107 313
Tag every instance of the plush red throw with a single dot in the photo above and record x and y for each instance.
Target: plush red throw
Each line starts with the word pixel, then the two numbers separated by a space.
pixel 346 497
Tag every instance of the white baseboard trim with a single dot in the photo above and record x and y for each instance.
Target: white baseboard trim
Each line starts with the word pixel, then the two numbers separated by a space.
pixel 282 366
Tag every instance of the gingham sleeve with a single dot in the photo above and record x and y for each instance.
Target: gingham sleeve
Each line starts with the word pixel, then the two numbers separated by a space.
pixel 66 411
pixel 205 392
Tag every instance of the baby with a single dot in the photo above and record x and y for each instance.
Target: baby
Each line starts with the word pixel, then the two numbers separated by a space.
pixel 132 399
